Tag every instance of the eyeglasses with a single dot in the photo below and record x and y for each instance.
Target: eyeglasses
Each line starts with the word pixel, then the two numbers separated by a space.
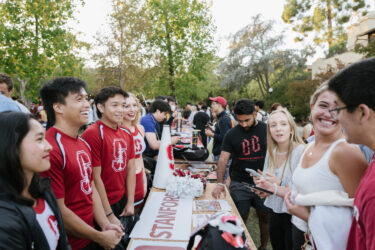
pixel 334 112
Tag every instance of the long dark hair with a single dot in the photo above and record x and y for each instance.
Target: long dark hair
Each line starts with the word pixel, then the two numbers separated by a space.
pixel 14 127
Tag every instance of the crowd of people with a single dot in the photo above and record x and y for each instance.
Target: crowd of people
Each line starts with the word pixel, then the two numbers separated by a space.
pixel 69 177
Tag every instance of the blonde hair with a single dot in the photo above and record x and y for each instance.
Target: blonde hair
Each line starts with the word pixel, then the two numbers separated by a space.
pixel 322 88
pixel 294 141
pixel 138 115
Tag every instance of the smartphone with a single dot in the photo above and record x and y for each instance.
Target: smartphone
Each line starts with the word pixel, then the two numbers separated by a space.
pixel 253 172
pixel 261 189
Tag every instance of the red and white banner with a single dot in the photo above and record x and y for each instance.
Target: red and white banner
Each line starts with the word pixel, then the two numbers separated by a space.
pixel 157 245
pixel 164 218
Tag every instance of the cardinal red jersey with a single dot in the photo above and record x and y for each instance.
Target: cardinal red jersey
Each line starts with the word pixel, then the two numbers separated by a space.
pixel 71 177
pixel 111 149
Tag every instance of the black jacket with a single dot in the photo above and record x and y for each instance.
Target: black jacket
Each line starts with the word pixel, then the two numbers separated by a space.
pixel 19 228
pixel 222 126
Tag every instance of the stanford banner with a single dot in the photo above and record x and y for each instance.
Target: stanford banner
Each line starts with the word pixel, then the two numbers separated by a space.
pixel 165 218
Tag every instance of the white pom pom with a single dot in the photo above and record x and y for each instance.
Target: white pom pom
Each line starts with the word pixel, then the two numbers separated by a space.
pixel 184 187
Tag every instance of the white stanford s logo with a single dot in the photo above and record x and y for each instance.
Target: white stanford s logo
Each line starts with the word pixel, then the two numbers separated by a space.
pixel 119 155
pixel 84 163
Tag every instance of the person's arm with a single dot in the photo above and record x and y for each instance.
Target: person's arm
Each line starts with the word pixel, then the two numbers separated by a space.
pixel 144 182
pixel 301 212
pixel 142 130
pixel 102 195
pixel 76 227
pixel 152 140
pixel 130 188
pixel 220 171
pixel 349 164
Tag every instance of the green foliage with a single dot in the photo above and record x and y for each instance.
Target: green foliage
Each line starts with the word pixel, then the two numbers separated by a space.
pixel 159 47
pixel 324 18
pixel 368 51
pixel 121 52
pixel 255 58
pixel 182 38
pixel 35 44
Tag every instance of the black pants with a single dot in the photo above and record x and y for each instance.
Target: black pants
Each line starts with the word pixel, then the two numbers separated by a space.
pixel 119 206
pixel 280 231
pixel 298 238
pixel 93 246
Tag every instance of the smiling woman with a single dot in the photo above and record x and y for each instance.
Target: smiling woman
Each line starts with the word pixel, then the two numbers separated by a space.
pixel 27 204
pixel 328 163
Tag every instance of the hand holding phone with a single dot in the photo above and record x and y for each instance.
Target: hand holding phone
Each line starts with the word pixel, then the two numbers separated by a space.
pixel 261 189
pixel 253 172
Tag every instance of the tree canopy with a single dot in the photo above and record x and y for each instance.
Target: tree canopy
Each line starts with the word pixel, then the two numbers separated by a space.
pixel 35 43
pixel 323 18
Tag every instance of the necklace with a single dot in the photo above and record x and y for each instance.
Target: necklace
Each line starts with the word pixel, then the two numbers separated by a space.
pixel 283 153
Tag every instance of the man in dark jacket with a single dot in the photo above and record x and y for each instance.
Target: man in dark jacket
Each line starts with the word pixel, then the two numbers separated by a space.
pixel 222 126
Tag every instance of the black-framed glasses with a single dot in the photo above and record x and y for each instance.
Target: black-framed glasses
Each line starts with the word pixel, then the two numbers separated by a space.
pixel 334 112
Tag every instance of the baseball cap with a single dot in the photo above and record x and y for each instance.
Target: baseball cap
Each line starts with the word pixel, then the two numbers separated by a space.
pixel 220 100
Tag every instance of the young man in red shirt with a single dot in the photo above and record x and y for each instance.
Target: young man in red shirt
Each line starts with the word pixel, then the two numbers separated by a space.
pixel 112 149
pixel 67 107
pixel 355 111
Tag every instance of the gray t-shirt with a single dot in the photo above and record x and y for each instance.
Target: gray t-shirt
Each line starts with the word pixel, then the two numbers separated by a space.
pixel 274 202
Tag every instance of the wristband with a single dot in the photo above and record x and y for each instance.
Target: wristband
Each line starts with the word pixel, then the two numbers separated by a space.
pixel 109 214
pixel 221 184
pixel 275 186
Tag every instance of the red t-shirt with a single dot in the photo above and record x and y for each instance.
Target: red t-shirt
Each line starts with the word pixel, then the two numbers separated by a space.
pixel 71 177
pixel 362 231
pixel 111 149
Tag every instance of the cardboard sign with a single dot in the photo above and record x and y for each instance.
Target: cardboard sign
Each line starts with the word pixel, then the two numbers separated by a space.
pixel 157 245
pixel 164 217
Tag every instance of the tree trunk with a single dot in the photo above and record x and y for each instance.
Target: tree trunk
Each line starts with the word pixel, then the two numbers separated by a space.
pixel 170 62
pixel 23 84
pixel 258 80
pixel 329 20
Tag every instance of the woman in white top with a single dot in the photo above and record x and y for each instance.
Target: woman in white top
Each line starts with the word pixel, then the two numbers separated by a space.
pixel 284 149
pixel 328 163
pixel 131 121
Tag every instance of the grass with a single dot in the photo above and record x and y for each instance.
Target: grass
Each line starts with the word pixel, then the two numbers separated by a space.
pixel 253 228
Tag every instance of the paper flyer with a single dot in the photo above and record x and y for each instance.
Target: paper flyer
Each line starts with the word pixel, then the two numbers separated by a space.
pixel 211 205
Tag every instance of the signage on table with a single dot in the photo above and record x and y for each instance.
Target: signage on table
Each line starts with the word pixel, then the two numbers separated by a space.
pixel 164 217
pixel 157 245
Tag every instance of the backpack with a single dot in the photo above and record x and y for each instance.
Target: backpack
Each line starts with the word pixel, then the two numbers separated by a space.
pixel 264 116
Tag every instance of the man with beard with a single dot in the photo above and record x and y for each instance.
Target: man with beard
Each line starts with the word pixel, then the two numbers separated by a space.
pixel 246 143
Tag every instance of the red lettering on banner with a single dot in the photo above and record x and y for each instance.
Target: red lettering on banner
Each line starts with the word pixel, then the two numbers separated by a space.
pixel 169 204
pixel 166 221
pixel 169 215
pixel 153 235
pixel 162 209
pixel 166 218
